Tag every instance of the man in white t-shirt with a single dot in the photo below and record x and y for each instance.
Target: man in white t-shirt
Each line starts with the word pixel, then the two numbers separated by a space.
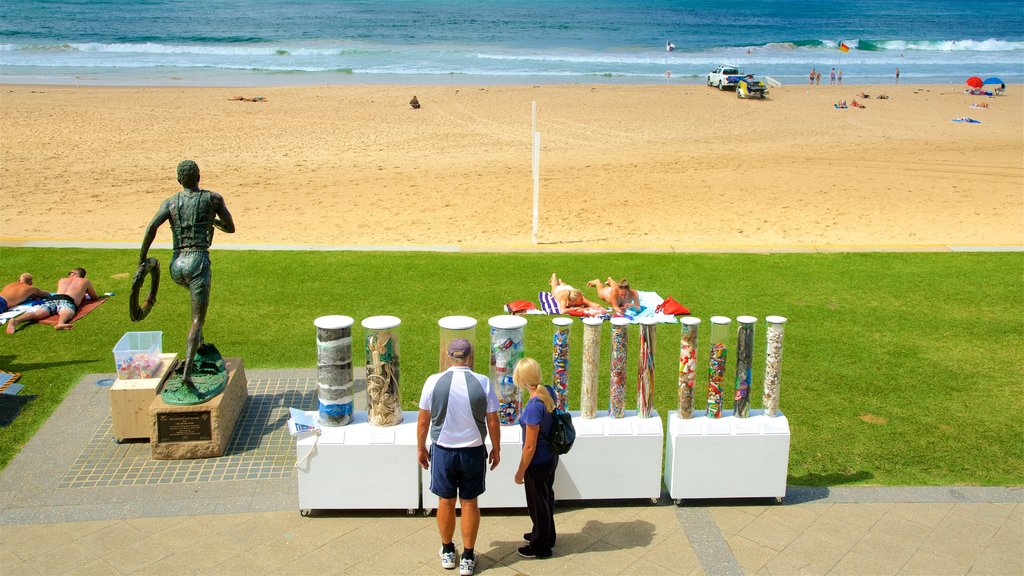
pixel 458 407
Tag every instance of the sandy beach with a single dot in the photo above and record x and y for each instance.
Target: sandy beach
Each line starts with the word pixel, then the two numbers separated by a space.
pixel 681 166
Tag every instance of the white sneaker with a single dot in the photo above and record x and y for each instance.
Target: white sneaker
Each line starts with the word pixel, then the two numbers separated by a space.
pixel 447 559
pixel 467 566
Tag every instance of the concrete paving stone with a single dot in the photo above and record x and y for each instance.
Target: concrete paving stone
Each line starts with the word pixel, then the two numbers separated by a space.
pixel 925 563
pixel 648 568
pixel 388 564
pixel 110 538
pixel 97 567
pixel 154 525
pixel 750 554
pixel 175 565
pixel 137 555
pixel 18 568
pixel 554 566
pixel 279 552
pixel 892 551
pixel 856 564
pixel 635 534
pixel 233 505
pixel 992 514
pixel 1000 562
pixel 206 551
pixel 924 514
pixel 898 528
pixel 962 538
pixel 674 554
pixel 320 531
pixel 61 559
pixel 240 565
pixel 788 565
pixel 856 515
pixel 770 533
pixel 795 517
pixel 27 542
pixel 836 531
pixel 816 552
pixel 604 558
pixel 279 503
pixel 322 561
pixel 731 519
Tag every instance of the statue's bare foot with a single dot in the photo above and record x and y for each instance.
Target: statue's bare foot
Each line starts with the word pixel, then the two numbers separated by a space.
pixel 63 327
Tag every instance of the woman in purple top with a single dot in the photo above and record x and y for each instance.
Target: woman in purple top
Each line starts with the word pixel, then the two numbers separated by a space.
pixel 538 464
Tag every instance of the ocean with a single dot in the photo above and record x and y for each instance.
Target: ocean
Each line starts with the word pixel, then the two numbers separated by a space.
pixel 244 43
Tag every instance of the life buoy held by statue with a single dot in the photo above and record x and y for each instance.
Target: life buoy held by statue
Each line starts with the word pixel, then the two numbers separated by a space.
pixel 150 266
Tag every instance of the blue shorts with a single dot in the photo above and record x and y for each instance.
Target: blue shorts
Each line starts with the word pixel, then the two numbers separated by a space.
pixel 458 471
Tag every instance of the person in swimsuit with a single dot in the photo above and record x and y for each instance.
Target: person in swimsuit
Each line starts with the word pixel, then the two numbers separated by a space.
pixel 17 292
pixel 618 295
pixel 568 298
pixel 64 303
pixel 193 214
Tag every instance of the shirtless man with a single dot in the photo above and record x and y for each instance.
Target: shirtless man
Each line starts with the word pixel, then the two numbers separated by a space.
pixel 619 295
pixel 569 298
pixel 64 302
pixel 17 292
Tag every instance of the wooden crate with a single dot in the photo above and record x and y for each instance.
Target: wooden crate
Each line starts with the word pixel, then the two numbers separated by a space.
pixel 130 400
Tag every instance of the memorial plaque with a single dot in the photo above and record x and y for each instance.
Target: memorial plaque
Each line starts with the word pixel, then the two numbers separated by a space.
pixel 184 427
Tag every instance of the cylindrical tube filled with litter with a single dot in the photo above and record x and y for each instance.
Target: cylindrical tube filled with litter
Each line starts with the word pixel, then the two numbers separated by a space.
pixel 773 364
pixel 334 386
pixel 507 337
pixel 617 381
pixel 452 328
pixel 687 364
pixel 591 361
pixel 716 364
pixel 382 376
pixel 560 361
pixel 645 368
pixel 744 357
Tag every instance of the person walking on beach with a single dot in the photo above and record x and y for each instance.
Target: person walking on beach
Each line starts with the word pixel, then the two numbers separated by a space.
pixel 832 77
pixel 817 78
pixel 810 77
pixel 538 464
pixel 193 214
pixel 458 407
pixel 71 291
pixel 17 292
pixel 897 74
pixel 839 76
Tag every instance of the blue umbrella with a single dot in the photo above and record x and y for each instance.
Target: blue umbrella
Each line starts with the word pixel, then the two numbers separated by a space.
pixel 993 81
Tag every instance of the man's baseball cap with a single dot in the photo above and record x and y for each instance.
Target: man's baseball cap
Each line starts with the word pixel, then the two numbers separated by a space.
pixel 460 348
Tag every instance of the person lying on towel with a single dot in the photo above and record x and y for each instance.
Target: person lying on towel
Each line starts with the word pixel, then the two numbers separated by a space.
pixel 569 298
pixel 71 291
pixel 617 294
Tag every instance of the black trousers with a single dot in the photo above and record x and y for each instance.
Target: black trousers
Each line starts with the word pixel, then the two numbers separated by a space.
pixel 540 501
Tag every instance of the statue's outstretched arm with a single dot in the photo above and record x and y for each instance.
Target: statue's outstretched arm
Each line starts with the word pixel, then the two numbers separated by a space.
pixel 162 215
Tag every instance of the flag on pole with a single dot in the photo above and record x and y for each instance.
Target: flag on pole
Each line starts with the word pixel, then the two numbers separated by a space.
pixel 669 46
pixel 843 47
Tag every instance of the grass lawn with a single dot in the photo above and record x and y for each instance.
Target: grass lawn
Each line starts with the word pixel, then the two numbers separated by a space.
pixel 899 369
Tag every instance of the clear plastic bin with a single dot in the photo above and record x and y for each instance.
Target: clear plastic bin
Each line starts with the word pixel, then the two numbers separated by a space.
pixel 137 355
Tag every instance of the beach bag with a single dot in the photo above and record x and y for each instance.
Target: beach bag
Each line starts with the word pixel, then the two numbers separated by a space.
pixel 562 433
pixel 670 306
pixel 519 307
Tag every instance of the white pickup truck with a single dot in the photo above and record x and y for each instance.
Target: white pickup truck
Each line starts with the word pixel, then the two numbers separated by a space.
pixel 724 77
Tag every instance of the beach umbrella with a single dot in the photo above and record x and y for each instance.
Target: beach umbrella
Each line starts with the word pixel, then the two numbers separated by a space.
pixel 975 82
pixel 993 81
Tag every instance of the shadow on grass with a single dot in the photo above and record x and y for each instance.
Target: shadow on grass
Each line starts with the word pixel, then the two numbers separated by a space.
pixel 832 479
pixel 10 364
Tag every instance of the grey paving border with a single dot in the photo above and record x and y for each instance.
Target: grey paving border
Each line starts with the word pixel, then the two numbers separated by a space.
pixel 708 544
pixel 905 494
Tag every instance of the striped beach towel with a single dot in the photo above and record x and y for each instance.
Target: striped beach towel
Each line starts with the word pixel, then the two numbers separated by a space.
pixel 548 303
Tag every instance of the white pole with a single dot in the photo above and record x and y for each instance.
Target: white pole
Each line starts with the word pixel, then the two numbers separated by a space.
pixel 536 181
pixel 533 127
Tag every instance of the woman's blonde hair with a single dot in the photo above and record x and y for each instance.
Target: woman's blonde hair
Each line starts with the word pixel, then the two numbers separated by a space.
pixel 526 376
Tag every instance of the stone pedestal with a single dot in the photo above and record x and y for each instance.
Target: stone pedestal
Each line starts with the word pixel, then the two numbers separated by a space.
pixel 202 430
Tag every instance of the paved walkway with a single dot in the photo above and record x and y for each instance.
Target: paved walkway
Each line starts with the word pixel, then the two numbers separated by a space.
pixel 75 502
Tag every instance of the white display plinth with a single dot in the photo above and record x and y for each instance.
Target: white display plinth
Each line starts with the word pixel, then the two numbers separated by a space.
pixel 612 458
pixel 359 466
pixel 501 488
pixel 727 457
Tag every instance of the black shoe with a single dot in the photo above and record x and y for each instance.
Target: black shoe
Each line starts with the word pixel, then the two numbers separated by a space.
pixel 527 552
pixel 527 536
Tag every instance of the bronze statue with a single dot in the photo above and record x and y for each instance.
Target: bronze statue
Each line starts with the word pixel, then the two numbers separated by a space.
pixel 193 214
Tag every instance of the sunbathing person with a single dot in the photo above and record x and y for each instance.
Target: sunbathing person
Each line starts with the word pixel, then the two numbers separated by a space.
pixel 619 295
pixel 64 302
pixel 569 298
pixel 17 292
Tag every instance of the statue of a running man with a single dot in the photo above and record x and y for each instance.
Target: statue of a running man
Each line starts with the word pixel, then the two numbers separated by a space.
pixel 193 214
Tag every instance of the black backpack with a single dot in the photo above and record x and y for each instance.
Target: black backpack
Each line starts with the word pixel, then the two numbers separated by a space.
pixel 562 433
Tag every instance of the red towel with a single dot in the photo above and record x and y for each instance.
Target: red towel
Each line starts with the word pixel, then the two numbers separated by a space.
pixel 85 308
